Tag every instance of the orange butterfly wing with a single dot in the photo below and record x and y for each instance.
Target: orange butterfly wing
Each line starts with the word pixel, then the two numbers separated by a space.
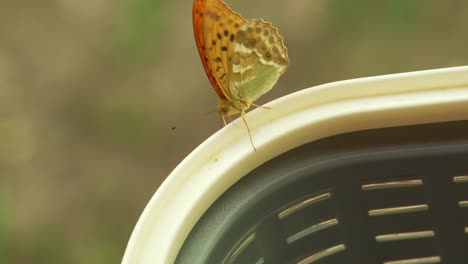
pixel 215 26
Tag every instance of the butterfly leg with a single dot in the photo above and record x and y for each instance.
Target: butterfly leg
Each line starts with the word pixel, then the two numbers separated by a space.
pixel 261 106
pixel 223 118
pixel 248 130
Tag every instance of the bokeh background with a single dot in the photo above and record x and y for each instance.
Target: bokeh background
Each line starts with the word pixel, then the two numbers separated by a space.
pixel 90 88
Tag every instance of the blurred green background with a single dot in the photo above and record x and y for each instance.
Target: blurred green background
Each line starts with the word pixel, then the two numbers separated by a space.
pixel 90 88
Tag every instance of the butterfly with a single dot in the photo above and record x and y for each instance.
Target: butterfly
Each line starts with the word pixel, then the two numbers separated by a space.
pixel 243 58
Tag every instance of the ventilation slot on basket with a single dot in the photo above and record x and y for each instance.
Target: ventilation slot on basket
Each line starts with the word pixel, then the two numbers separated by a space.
pixel 398 213
pixel 302 204
pixel 461 182
pixel 309 228
pixel 404 236
pixel 425 260
pixel 399 210
pixel 395 188
pixel 312 229
pixel 241 248
pixel 392 184
pixel 460 179
pixel 323 253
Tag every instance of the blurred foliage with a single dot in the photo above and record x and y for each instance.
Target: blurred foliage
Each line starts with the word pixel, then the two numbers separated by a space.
pixel 381 16
pixel 141 25
pixel 122 121
pixel 3 224
pixel 90 88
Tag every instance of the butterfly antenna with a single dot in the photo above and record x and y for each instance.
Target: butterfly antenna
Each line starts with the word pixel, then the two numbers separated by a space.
pixel 248 130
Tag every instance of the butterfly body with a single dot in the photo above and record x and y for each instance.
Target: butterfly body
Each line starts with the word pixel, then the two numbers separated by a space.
pixel 228 108
pixel 243 58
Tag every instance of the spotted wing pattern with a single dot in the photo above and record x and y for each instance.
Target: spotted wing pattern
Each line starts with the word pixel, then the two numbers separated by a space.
pixel 216 26
pixel 259 59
